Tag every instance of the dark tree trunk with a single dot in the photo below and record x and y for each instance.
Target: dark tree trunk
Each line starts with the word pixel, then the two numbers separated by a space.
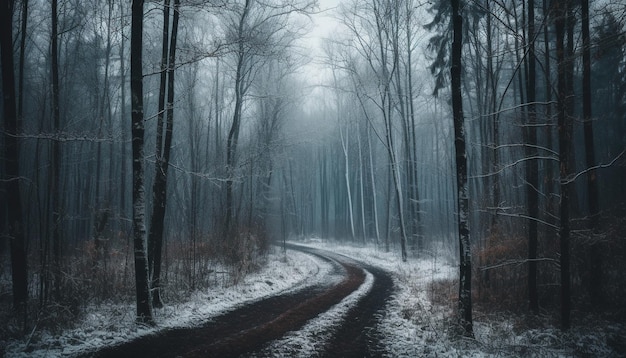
pixel 162 164
pixel 233 134
pixel 411 108
pixel 55 175
pixel 595 274
pixel 492 89
pixel 155 233
pixel 548 132
pixel 123 113
pixel 465 274
pixel 564 128
pixel 20 83
pixel 15 225
pixel 144 304
pixel 532 170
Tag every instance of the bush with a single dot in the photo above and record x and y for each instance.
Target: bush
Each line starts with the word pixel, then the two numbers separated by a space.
pixel 500 276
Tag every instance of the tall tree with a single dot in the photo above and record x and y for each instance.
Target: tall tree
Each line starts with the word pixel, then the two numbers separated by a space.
pixel 12 127
pixel 162 153
pixel 20 83
pixel 55 167
pixel 565 133
pixel 144 302
pixel 241 86
pixel 595 277
pixel 465 274
pixel 532 168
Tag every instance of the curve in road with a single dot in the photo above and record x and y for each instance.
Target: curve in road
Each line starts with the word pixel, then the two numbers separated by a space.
pixel 247 329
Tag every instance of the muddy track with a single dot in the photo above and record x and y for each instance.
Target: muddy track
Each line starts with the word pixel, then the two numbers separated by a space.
pixel 358 336
pixel 249 328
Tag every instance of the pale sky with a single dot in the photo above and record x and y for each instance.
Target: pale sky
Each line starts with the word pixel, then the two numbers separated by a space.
pixel 324 24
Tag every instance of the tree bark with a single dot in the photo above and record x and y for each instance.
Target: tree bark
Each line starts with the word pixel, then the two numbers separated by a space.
pixel 20 98
pixel 564 128
pixel 144 302
pixel 55 166
pixel 465 274
pixel 595 274
pixel 14 219
pixel 162 153
pixel 532 170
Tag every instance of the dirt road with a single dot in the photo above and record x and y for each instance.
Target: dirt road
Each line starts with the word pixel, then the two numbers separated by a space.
pixel 245 331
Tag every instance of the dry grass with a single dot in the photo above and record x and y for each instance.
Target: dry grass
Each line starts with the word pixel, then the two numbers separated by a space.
pixel 102 272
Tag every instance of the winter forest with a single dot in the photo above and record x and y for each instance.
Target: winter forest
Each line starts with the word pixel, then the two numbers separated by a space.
pixel 171 158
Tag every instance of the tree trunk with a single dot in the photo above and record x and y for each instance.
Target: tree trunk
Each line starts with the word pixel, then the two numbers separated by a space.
pixel 233 134
pixel 144 302
pixel 465 274
pixel 373 179
pixel 595 274
pixel 386 109
pixel 345 146
pixel 564 128
pixel 492 90
pixel 532 170
pixel 548 132
pixel 159 188
pixel 413 147
pixel 20 103
pixel 55 177
pixel 123 126
pixel 361 184
pixel 14 219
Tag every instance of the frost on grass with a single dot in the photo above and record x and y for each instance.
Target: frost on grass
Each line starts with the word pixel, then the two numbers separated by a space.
pixel 106 325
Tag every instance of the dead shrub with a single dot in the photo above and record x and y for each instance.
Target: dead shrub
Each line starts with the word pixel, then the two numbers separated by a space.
pixel 444 294
pixel 244 250
pixel 501 274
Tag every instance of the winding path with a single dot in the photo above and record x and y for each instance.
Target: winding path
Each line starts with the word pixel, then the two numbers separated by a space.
pixel 246 330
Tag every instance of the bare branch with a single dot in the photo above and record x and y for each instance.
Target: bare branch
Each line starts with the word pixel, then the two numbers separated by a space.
pixel 572 179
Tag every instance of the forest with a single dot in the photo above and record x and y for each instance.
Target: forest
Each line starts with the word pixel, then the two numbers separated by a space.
pixel 151 149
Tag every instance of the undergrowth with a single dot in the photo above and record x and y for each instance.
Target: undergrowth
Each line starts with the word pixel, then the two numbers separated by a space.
pixel 101 272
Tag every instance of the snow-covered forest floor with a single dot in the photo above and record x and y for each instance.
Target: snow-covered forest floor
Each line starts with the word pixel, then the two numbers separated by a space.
pixel 420 317
pixel 105 325
pixel 417 323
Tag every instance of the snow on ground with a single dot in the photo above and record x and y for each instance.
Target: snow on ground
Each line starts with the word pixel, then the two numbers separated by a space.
pixel 106 325
pixel 414 327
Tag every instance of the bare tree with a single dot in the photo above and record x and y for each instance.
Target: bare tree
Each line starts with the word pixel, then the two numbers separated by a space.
pixel 257 31
pixel 142 281
pixel 54 188
pixel 14 219
pixel 372 32
pixel 595 287
pixel 465 274
pixel 565 132
pixel 162 152
pixel 532 168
